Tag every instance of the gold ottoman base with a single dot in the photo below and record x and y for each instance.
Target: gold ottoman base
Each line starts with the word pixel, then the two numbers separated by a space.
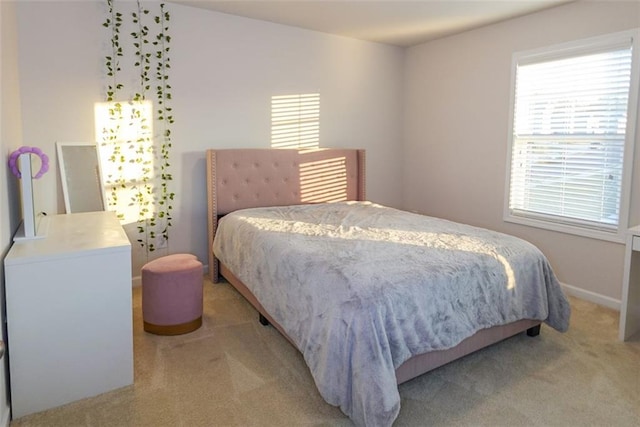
pixel 180 329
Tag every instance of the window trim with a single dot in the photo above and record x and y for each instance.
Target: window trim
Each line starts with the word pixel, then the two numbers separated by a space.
pixel 588 45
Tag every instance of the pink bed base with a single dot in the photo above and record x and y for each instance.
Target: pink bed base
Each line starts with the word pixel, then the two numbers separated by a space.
pixel 246 178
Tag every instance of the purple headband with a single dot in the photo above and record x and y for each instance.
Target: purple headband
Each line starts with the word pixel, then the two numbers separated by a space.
pixel 13 161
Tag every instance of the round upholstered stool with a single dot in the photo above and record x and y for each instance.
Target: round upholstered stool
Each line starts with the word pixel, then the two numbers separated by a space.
pixel 172 294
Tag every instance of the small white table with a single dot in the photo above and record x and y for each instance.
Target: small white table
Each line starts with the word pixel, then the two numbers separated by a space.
pixel 630 307
pixel 69 318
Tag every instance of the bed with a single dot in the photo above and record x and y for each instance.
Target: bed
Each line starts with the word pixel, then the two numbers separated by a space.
pixel 370 295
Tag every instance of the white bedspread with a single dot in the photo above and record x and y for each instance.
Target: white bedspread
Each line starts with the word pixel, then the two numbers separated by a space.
pixel 360 288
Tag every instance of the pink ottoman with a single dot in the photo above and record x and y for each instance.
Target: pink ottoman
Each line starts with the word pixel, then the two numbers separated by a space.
pixel 172 294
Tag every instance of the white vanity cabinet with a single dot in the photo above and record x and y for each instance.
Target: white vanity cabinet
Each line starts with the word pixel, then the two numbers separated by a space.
pixel 69 316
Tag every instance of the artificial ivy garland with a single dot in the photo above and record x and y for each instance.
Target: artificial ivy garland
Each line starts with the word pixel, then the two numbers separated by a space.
pixel 145 57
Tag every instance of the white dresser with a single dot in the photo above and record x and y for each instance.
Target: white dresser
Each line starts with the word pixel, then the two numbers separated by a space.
pixel 69 317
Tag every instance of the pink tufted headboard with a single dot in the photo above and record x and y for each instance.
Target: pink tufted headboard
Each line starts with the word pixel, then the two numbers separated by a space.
pixel 256 177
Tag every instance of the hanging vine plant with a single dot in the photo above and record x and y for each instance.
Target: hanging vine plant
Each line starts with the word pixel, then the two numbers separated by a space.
pixel 143 152
pixel 165 116
pixel 113 22
pixel 144 197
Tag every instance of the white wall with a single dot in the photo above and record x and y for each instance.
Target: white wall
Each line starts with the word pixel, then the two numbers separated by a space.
pixel 224 71
pixel 457 93
pixel 10 138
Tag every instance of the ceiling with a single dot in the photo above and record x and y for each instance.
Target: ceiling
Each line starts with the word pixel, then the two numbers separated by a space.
pixel 394 22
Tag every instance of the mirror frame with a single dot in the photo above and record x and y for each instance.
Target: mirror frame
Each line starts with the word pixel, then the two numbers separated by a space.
pixel 63 167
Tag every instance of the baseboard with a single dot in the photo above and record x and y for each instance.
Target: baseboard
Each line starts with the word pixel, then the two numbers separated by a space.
pixel 136 281
pixel 593 297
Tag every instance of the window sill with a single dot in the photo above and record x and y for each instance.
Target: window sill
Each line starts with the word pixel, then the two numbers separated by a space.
pixel 613 236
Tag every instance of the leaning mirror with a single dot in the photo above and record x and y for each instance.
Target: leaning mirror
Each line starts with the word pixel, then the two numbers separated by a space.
pixel 80 174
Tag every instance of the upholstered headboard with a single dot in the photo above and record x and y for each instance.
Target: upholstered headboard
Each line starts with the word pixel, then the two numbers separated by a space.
pixel 256 177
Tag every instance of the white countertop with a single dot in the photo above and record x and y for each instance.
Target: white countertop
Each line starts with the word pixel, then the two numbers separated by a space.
pixel 69 235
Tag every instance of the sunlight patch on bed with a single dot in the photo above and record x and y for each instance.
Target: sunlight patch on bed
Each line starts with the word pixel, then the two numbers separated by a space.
pixel 443 241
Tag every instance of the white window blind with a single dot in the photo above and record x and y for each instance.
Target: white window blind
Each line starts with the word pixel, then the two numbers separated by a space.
pixel 570 127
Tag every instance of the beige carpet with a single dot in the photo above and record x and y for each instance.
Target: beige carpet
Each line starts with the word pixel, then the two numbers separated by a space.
pixel 235 372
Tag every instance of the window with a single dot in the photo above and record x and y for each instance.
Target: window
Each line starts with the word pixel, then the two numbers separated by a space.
pixel 572 135
pixel 124 132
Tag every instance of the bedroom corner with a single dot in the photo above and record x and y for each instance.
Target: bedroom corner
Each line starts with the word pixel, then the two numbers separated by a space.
pixel 10 138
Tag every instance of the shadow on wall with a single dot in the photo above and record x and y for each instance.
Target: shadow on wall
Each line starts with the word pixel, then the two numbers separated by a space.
pixel 190 222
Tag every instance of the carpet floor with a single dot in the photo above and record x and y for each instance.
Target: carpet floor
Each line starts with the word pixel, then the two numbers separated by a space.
pixel 235 372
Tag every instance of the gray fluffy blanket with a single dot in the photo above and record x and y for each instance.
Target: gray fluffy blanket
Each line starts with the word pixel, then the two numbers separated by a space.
pixel 360 288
